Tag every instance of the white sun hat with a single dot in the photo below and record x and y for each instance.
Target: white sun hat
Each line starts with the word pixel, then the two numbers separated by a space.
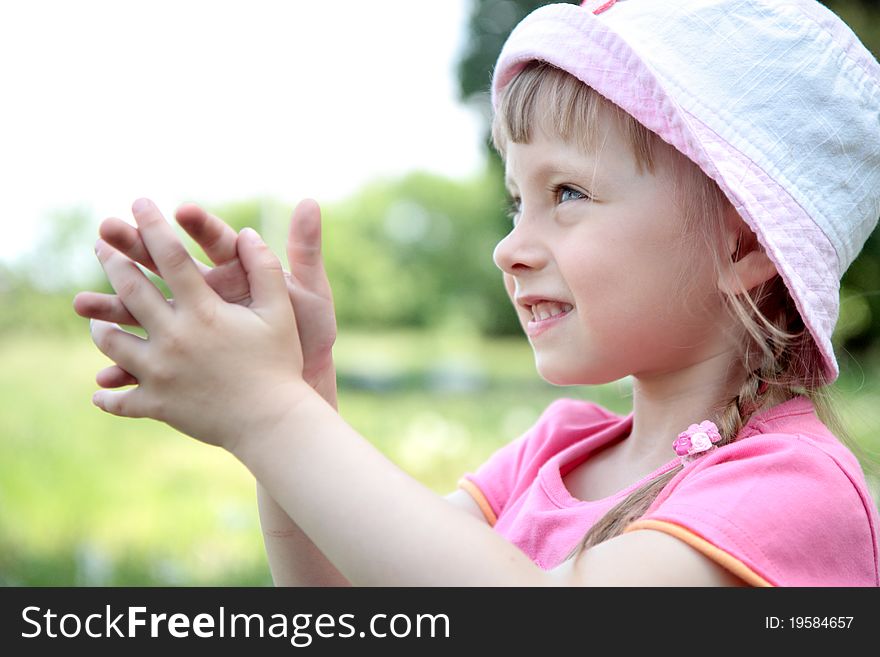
pixel 776 100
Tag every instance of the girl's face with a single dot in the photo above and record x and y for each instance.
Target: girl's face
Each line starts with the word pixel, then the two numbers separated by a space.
pixel 610 245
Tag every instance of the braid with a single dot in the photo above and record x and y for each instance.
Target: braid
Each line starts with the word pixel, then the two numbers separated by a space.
pixel 730 420
pixel 753 394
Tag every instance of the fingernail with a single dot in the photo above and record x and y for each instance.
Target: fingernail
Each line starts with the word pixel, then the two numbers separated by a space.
pixel 96 399
pixel 140 205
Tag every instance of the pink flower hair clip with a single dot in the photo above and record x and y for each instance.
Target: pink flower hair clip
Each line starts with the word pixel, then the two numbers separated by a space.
pixel 696 440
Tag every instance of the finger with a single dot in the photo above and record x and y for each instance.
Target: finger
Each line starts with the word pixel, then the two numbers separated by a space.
pixel 125 238
pixel 124 403
pixel 108 307
pixel 123 348
pixel 264 273
pixel 142 299
pixel 215 236
pixel 114 377
pixel 229 280
pixel 174 263
pixel 304 246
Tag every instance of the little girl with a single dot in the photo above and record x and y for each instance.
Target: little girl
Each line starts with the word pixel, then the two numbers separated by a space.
pixel 689 181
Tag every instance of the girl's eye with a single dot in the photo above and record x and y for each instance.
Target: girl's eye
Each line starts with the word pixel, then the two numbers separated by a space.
pixel 565 193
pixel 513 209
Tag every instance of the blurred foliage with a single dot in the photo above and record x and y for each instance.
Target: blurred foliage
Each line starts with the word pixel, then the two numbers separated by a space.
pixel 863 18
pixel 62 259
pixel 413 252
pixel 36 292
pixel 28 309
pixel 417 252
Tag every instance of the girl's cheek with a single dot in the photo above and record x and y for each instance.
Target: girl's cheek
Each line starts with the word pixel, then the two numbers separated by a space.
pixel 510 287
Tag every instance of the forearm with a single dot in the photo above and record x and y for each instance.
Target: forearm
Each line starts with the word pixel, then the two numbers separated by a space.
pixel 294 560
pixel 378 525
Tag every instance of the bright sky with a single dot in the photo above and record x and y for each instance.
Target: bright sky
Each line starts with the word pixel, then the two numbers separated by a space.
pixel 210 101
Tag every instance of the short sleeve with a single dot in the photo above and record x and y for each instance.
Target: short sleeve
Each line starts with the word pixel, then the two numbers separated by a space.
pixel 493 481
pixel 774 509
pixel 515 465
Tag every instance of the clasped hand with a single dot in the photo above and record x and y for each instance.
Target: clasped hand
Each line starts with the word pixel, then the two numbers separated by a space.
pixel 220 372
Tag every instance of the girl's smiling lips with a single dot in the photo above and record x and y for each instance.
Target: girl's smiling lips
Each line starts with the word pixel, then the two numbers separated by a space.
pixel 536 326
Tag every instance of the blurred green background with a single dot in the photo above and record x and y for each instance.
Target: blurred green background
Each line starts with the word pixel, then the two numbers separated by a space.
pixel 433 369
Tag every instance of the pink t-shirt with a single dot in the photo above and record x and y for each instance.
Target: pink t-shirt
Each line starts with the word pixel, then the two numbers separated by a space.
pixel 786 504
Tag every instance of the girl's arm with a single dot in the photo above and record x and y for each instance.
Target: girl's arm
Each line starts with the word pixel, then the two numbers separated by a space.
pixel 374 522
pixel 383 528
pixel 378 525
pixel 294 560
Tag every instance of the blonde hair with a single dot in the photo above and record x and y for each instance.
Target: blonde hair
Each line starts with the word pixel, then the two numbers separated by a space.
pixel 778 354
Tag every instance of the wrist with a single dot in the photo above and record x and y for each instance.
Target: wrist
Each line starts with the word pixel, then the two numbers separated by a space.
pixel 291 410
pixel 324 383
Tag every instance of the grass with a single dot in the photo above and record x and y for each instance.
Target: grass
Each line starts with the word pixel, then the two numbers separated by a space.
pixel 90 499
pixel 117 501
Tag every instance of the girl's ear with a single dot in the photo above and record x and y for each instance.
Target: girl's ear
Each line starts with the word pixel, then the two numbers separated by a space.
pixel 750 265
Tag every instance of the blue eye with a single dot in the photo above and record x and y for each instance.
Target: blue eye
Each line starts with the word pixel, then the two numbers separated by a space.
pixel 563 190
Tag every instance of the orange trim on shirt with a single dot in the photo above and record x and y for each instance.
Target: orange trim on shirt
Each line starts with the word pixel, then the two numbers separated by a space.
pixel 480 499
pixel 699 543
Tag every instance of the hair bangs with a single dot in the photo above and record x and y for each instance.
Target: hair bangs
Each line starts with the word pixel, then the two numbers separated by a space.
pixel 545 98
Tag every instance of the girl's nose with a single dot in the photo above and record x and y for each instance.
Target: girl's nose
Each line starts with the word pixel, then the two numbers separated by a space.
pixel 520 249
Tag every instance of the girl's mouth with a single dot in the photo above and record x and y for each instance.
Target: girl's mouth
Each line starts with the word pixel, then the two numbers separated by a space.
pixel 536 327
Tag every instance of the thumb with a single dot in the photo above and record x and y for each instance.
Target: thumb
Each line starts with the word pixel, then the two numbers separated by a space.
pixel 264 273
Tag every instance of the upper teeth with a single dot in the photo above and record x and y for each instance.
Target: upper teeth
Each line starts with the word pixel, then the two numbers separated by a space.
pixel 547 309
